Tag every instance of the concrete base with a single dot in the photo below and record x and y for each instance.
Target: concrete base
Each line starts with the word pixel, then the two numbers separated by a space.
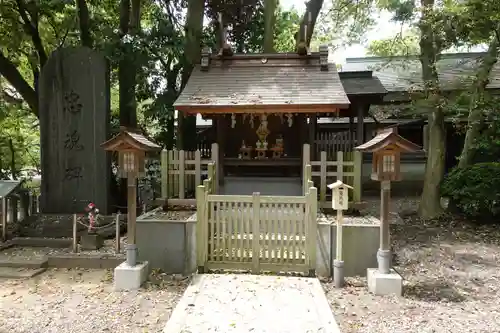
pixel 384 284
pixel 130 278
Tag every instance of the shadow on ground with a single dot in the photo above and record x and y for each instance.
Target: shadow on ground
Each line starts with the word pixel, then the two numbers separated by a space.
pixel 434 291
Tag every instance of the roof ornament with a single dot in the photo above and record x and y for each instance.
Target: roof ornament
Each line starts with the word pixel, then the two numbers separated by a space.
pixel 323 57
pixel 205 58
pixel 225 49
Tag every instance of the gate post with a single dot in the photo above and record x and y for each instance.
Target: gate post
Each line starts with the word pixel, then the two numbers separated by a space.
pixel 200 228
pixel 255 232
pixel 312 221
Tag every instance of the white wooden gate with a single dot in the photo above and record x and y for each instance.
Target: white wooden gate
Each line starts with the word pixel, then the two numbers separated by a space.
pixel 257 233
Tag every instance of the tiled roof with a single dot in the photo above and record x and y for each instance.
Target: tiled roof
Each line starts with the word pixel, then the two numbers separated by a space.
pixel 252 80
pixel 361 83
pixel 404 73
pixel 131 138
pixel 388 136
pixel 141 139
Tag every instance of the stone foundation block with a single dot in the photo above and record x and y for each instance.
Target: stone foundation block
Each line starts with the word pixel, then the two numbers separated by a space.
pixel 384 284
pixel 130 277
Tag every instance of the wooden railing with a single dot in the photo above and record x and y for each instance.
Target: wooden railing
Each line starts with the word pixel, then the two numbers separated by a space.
pixel 346 167
pixel 16 207
pixel 254 232
pixel 182 171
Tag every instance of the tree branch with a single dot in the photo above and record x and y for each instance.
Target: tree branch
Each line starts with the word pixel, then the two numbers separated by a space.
pixel 10 72
pixel 304 35
pixel 31 29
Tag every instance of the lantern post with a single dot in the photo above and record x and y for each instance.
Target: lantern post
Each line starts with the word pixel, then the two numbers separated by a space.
pixel 340 202
pixel 131 147
pixel 386 148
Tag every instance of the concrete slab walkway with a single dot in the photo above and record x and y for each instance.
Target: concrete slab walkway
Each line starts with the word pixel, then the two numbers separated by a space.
pixel 252 303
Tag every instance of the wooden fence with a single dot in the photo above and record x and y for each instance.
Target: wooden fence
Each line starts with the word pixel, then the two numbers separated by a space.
pixel 182 171
pixel 17 207
pixel 333 142
pixel 257 233
pixel 346 166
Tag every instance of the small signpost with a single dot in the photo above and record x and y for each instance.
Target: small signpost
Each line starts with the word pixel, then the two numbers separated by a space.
pixel 386 147
pixel 131 147
pixel 340 202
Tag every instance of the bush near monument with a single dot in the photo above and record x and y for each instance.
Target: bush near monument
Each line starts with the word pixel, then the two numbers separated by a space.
pixel 475 190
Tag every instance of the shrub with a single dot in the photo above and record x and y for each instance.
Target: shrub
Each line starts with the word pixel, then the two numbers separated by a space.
pixel 474 190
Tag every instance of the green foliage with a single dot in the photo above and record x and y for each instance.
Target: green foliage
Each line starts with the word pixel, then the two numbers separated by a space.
pixel 403 44
pixel 344 22
pixel 19 142
pixel 475 190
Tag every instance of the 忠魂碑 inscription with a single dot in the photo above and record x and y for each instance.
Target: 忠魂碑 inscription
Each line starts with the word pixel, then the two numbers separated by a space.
pixel 72 102
pixel 72 141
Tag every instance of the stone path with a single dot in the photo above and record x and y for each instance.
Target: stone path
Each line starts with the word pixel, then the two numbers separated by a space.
pixel 231 303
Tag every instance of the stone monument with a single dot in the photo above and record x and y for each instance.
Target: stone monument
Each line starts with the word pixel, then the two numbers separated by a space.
pixel 74 121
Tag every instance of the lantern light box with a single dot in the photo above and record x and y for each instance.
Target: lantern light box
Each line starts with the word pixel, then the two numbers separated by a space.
pixel 340 195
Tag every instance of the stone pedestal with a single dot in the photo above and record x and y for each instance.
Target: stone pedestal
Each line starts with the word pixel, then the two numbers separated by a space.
pixel 130 277
pixel 91 242
pixel 384 284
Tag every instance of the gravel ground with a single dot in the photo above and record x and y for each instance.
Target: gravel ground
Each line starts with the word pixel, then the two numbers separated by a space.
pixel 452 280
pixel 84 301
pixel 177 213
pixel 25 253
pixel 366 219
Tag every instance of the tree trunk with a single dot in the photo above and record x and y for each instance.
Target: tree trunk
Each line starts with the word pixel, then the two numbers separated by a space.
pixel 269 20
pixel 186 125
pixel 476 116
pixel 127 69
pixel 430 203
pixel 304 35
pixel 84 22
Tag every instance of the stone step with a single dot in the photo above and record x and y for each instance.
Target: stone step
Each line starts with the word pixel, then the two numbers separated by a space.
pixel 20 273
pixel 24 263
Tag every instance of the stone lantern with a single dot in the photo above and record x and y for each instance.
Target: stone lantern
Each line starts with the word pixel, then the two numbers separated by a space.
pixel 340 202
pixel 386 148
pixel 132 148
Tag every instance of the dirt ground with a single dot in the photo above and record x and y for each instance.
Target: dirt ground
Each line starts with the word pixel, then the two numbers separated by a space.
pixel 62 300
pixel 452 281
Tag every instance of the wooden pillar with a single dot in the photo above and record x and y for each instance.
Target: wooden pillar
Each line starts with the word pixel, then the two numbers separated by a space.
pixel 313 125
pixel 384 252
pixel 360 126
pixel 221 130
pixel 131 220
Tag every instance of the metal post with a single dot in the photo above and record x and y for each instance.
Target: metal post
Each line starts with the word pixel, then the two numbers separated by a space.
pixel 117 233
pixel 384 252
pixel 131 247
pixel 75 242
pixel 4 219
pixel 338 263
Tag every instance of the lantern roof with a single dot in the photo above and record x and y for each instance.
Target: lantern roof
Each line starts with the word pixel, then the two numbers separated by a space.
pixel 130 140
pixel 389 137
pixel 338 184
